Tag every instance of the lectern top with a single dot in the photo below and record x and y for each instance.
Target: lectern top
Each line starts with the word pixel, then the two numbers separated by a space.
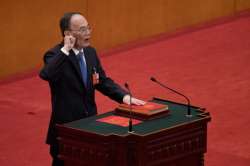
pixel 177 117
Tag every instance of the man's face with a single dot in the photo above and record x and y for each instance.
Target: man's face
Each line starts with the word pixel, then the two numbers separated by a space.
pixel 80 29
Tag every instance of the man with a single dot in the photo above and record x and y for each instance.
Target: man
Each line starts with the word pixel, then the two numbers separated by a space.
pixel 74 71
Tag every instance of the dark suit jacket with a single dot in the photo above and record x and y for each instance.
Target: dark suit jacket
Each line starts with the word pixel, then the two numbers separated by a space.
pixel 71 100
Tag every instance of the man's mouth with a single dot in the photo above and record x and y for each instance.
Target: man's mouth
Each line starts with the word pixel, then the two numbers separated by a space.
pixel 87 39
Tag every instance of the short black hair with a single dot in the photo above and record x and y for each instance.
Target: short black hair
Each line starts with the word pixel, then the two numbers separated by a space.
pixel 65 21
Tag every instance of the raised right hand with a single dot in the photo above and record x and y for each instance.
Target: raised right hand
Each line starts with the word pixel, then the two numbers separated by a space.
pixel 69 42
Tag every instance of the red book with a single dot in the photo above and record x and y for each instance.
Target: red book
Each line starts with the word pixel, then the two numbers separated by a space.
pixel 148 111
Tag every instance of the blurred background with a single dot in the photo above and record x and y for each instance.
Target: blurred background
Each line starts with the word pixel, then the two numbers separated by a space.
pixel 28 27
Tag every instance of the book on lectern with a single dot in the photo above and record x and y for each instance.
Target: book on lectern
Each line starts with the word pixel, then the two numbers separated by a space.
pixel 144 112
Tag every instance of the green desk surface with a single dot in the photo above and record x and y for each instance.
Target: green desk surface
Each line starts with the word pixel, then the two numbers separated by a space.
pixel 177 117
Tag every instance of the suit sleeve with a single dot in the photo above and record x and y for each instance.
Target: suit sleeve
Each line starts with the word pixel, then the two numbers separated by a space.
pixel 107 86
pixel 53 63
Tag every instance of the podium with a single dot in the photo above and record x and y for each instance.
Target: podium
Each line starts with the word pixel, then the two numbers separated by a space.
pixel 173 140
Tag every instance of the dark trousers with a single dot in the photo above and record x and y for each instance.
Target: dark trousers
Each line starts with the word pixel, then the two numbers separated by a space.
pixel 54 151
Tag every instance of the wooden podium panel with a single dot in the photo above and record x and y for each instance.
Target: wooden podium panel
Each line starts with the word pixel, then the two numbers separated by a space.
pixel 175 140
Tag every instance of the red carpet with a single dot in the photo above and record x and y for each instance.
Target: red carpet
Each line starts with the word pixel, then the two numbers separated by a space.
pixel 211 66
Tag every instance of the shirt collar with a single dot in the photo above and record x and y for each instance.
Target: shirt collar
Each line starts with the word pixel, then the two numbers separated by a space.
pixel 76 51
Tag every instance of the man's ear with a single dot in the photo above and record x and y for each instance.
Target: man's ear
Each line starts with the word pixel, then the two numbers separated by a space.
pixel 67 33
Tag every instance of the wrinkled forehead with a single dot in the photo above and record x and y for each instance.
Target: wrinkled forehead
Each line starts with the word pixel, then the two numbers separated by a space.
pixel 77 21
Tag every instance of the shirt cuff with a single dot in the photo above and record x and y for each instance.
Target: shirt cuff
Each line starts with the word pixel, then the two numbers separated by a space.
pixel 126 98
pixel 65 51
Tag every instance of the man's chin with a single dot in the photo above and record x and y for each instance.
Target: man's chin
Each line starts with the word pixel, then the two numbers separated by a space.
pixel 83 45
pixel 87 44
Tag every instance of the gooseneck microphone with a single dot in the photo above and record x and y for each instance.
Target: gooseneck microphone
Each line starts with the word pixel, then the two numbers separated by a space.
pixel 164 86
pixel 130 125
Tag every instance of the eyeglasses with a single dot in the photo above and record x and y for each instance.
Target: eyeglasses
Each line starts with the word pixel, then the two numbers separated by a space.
pixel 83 30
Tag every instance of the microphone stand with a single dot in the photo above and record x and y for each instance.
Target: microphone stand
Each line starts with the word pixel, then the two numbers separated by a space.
pixel 130 124
pixel 189 115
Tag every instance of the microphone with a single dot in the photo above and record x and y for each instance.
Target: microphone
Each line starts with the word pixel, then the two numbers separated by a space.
pixel 130 125
pixel 164 86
